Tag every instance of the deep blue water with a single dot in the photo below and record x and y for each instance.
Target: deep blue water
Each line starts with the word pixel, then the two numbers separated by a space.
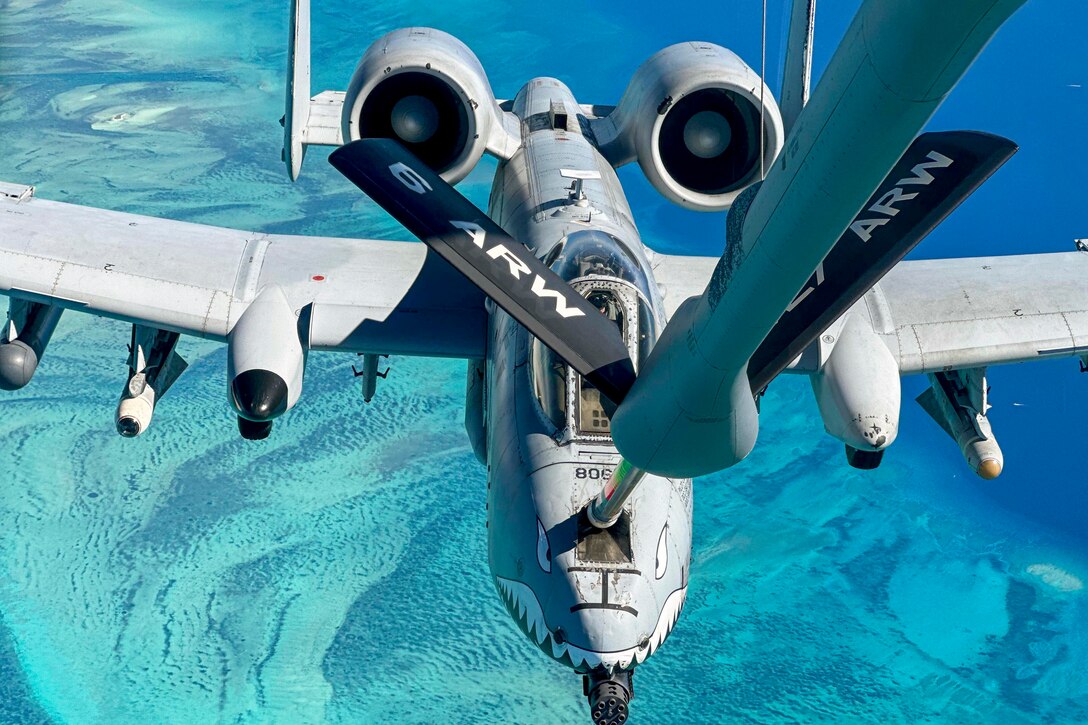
pixel 189 576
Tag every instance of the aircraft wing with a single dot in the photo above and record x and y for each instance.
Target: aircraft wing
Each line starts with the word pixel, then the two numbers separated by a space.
pixel 681 277
pixel 366 295
pixel 951 314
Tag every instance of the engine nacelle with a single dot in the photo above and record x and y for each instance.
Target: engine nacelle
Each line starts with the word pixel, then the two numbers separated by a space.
pixel 691 117
pixel 30 325
pixel 426 89
pixel 858 391
pixel 265 362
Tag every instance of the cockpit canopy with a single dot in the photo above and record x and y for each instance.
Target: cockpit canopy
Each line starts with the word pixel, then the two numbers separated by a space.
pixel 595 253
pixel 601 269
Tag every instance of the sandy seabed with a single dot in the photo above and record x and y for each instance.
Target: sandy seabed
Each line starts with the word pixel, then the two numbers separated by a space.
pixel 189 576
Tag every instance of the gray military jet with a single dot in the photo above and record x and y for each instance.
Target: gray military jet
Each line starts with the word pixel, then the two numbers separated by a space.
pixel 601 377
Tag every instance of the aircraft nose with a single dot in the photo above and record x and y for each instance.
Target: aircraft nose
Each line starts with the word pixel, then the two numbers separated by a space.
pixel 606 607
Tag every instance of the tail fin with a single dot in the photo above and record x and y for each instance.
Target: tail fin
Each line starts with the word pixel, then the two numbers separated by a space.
pixel 298 87
pixel 797 75
pixel 306 121
pixel 937 172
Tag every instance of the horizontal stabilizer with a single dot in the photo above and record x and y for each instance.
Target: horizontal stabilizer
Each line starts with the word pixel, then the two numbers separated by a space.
pixel 937 172
pixel 503 268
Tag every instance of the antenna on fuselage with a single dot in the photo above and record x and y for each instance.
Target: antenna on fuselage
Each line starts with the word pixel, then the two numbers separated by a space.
pixel 577 195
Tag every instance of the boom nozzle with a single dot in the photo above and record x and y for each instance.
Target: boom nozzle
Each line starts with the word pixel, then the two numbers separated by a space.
pixel 606 508
pixel 609 696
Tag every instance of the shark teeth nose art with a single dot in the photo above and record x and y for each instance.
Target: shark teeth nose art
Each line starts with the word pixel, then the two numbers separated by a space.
pixel 523 605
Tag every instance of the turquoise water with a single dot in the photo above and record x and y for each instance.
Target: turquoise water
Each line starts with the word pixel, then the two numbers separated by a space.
pixel 337 572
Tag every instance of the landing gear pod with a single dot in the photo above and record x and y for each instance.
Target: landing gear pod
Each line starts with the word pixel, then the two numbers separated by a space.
pixel 30 325
pixel 863 460
pixel 153 367
pixel 265 362
pixel 857 390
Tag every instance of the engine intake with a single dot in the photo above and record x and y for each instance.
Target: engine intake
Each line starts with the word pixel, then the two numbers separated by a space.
pixel 691 117
pixel 426 89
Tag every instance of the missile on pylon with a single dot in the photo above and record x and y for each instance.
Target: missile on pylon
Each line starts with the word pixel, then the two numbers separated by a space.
pixel 153 366
pixel 958 402
pixel 29 327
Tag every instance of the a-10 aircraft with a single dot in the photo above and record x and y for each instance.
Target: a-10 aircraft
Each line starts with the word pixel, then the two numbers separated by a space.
pixel 601 377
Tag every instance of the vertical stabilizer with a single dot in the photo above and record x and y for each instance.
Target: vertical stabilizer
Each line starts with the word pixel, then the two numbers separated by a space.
pixel 797 76
pixel 298 87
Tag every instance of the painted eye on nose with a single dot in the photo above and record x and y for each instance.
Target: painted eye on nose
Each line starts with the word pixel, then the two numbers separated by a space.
pixel 543 548
pixel 662 553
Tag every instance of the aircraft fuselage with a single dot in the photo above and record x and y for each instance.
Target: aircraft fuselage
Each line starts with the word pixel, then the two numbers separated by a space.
pixel 595 599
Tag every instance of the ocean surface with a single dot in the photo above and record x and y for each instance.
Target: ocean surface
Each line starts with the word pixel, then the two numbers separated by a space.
pixel 337 571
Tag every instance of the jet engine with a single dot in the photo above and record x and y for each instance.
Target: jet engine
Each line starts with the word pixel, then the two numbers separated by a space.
pixel 265 362
pixel 691 117
pixel 426 89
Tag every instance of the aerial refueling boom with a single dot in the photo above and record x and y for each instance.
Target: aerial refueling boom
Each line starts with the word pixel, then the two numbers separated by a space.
pixel 880 77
